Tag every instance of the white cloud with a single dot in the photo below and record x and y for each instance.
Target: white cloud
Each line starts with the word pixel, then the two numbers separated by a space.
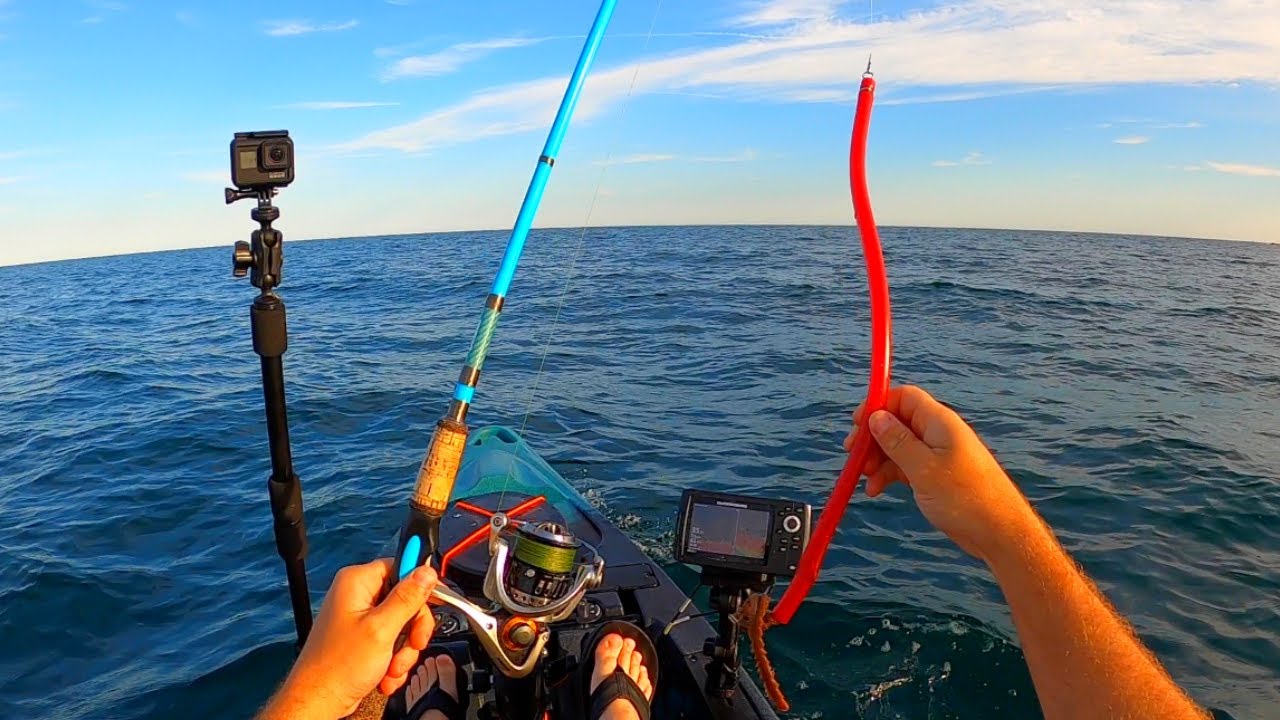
pixel 207 176
pixel 102 7
pixel 1243 169
pixel 17 154
pixel 11 179
pixel 285 28
pixel 966 96
pixel 784 12
pixel 972 158
pixel 1132 140
pixel 996 46
pixel 638 158
pixel 743 156
pixel 336 105
pixel 1194 124
pixel 450 59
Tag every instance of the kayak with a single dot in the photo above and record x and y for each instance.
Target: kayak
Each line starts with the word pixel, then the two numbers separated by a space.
pixel 501 475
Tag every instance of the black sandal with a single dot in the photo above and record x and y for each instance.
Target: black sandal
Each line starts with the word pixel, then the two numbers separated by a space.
pixel 437 699
pixel 618 684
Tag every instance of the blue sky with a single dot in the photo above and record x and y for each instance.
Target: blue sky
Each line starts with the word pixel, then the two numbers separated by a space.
pixel 1156 117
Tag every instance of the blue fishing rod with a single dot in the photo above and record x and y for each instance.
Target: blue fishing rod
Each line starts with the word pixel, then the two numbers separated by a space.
pixel 420 536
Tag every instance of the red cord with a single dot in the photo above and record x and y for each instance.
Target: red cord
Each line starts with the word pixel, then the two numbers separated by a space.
pixel 881 351
pixel 482 532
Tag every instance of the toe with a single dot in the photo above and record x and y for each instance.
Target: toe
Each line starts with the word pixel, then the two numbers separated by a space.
pixel 606 658
pixel 448 674
pixel 635 663
pixel 430 665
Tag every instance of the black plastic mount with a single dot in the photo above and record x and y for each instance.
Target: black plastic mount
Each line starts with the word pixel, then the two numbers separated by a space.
pixel 729 590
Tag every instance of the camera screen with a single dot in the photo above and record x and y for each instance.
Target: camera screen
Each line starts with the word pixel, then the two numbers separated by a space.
pixel 248 159
pixel 725 530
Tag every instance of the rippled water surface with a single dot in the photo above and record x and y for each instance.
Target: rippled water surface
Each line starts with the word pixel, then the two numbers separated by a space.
pixel 1131 385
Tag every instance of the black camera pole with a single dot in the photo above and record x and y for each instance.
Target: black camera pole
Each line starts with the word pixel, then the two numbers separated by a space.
pixel 263 259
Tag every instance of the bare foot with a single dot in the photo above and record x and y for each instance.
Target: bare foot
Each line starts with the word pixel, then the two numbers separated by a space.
pixel 611 653
pixel 438 667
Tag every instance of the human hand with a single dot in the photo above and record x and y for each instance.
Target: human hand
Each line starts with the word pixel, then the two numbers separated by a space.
pixel 957 483
pixel 351 649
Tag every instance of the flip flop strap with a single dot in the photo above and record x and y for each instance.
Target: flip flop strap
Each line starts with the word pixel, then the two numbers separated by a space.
pixel 618 685
pixel 437 699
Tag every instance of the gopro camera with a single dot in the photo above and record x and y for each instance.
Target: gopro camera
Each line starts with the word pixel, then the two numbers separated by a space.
pixel 261 161
pixel 739 532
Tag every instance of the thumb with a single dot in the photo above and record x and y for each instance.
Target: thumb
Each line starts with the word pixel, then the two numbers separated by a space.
pixel 406 598
pixel 899 443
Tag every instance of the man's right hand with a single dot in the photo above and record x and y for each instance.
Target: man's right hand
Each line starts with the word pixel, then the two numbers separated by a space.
pixel 957 484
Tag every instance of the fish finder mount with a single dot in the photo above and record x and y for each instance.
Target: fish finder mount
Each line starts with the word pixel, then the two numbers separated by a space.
pixel 262 259
pixel 743 544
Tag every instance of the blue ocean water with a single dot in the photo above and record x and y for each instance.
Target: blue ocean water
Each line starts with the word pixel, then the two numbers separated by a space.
pixel 1131 385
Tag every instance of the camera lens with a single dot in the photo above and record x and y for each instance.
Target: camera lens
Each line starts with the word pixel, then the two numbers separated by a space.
pixel 275 156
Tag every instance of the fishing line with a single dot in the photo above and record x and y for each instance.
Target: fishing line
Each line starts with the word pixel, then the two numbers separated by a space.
pixel 577 253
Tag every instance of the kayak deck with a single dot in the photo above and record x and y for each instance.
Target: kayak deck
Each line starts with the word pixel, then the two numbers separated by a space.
pixel 500 472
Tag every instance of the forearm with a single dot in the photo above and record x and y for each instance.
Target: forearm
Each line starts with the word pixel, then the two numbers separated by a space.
pixel 1085 660
pixel 298 700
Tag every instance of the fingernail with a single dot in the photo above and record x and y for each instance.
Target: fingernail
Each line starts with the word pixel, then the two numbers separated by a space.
pixel 879 421
pixel 422 577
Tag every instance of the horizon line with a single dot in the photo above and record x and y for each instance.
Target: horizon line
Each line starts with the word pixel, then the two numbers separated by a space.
pixel 852 226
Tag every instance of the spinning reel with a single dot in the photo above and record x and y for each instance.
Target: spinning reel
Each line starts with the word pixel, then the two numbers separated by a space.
pixel 534 578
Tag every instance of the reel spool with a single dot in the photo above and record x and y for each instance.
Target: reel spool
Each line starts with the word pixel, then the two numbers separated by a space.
pixel 536 578
pixel 534 572
pixel 542 564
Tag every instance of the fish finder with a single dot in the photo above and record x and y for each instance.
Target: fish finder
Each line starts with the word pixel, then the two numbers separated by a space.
pixel 741 533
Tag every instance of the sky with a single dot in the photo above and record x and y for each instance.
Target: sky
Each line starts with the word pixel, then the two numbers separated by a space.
pixel 1156 117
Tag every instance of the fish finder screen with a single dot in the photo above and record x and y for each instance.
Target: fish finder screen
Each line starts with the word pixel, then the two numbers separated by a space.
pixel 725 530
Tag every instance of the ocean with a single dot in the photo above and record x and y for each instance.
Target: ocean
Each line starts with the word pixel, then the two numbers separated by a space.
pixel 1131 386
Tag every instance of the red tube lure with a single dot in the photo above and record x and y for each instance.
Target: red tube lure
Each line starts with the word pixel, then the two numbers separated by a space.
pixel 881 352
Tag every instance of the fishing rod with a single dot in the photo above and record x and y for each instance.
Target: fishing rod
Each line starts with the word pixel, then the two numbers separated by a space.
pixel 420 535
pixel 881 358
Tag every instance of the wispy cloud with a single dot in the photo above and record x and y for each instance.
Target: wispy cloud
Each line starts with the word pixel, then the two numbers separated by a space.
pixel 638 158
pixel 1132 140
pixel 1152 124
pixel 11 179
pixel 965 47
pixel 336 105
pixel 286 28
pixel 744 156
pixel 972 158
pixel 966 96
pixel 401 3
pixel 451 58
pixel 207 176
pixel 1243 169
pixel 18 154
pixel 101 8
pixel 781 12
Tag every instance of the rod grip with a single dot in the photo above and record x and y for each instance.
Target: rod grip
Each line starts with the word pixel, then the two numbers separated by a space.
pixel 440 467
